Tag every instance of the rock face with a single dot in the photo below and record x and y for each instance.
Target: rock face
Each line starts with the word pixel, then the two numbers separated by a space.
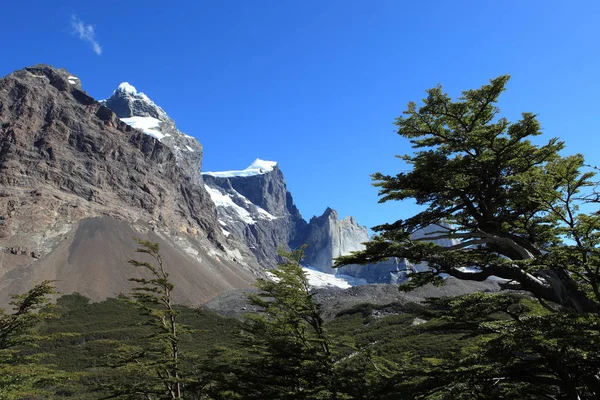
pixel 255 206
pixel 137 110
pixel 390 271
pixel 395 270
pixel 328 237
pixel 79 178
pixel 76 183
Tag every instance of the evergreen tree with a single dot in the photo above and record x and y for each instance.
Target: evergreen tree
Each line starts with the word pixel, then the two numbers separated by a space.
pixel 515 208
pixel 289 351
pixel 154 371
pixel 23 374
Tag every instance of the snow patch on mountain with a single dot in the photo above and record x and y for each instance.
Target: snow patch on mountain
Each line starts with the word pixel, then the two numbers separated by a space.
pixel 264 213
pixel 320 279
pixel 225 200
pixel 258 167
pixel 148 125
pixel 127 88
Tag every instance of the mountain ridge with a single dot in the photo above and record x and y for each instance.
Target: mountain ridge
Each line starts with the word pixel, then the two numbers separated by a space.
pixel 67 161
pixel 80 177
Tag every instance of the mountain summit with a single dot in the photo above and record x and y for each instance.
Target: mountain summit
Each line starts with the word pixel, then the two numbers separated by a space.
pixel 137 110
pixel 254 205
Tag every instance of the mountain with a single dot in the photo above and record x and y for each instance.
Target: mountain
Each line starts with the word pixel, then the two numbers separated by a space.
pixel 396 270
pixel 255 206
pixel 328 237
pixel 137 110
pixel 79 178
pixel 77 183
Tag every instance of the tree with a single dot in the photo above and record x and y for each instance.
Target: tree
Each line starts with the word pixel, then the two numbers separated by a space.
pixel 289 352
pixel 516 209
pixel 21 374
pixel 154 371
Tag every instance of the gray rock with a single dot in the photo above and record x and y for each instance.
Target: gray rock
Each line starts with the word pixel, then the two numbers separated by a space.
pixel 255 206
pixel 234 303
pixel 328 237
pixel 395 270
pixel 136 109
pixel 68 164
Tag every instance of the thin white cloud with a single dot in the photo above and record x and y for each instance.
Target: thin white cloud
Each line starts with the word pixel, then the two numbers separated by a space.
pixel 86 33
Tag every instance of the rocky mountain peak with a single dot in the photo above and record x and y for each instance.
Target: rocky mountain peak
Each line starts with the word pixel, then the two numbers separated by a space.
pixel 328 237
pixel 329 213
pixel 254 205
pixel 127 88
pixel 262 183
pixel 139 111
pixel 350 219
pixel 127 102
pixel 58 77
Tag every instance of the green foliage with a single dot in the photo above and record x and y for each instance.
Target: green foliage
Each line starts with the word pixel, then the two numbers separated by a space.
pixel 287 343
pixel 153 370
pixel 28 309
pixel 90 355
pixel 516 209
pixel 374 345
pixel 21 373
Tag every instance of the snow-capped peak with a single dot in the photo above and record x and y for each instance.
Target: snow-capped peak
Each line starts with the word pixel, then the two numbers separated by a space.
pixel 127 88
pixel 127 102
pixel 258 167
pixel 259 164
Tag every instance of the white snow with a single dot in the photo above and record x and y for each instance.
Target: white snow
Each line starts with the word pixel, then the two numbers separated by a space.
pixel 148 125
pixel 322 279
pixel 127 88
pixel 469 270
pixel 258 167
pixel 267 166
pixel 189 148
pixel 224 200
pixel 144 97
pixel 264 213
pixel 72 79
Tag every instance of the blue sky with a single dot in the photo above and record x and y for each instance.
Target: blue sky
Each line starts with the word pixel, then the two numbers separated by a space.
pixel 316 85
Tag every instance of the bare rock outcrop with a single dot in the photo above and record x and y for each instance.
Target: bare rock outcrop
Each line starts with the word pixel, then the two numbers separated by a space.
pixel 255 206
pixel 65 159
pixel 328 237
pixel 137 110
